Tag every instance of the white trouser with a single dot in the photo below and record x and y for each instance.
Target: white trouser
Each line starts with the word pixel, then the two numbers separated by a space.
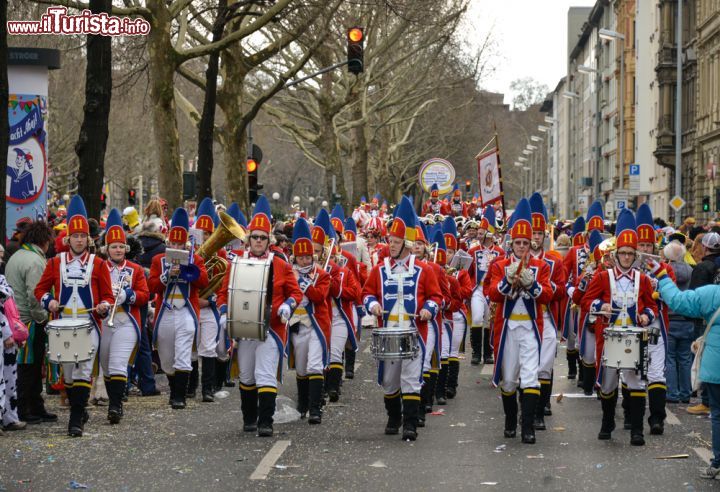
pixel 429 349
pixel 83 370
pixel 222 350
pixel 116 346
pixel 207 343
pixel 571 342
pixel 588 353
pixel 549 348
pixel 338 339
pixel 258 362
pixel 307 350
pixel 404 375
pixel 8 392
pixel 520 359
pixel 610 379
pixel 445 345
pixel 457 334
pixel 478 307
pixel 175 335
pixel 656 364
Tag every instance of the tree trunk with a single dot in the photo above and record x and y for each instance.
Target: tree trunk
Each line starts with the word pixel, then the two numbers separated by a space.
pixel 92 141
pixel 4 122
pixel 161 64
pixel 327 144
pixel 360 159
pixel 207 121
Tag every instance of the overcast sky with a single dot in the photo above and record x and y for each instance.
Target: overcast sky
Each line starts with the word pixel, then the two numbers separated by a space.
pixel 530 38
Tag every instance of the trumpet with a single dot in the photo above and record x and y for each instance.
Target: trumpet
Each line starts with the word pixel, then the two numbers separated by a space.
pixel 121 282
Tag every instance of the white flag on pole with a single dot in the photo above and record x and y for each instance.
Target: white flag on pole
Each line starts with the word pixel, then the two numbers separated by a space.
pixel 489 177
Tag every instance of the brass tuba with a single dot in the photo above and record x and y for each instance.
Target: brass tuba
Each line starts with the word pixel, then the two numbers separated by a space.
pixel 226 231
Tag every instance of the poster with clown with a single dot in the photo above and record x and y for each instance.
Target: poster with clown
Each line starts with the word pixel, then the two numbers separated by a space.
pixel 26 184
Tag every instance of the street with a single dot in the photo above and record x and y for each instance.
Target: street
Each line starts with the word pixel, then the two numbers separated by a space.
pixel 203 447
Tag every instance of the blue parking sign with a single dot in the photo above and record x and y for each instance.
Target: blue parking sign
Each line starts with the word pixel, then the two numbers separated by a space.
pixel 620 204
pixel 634 169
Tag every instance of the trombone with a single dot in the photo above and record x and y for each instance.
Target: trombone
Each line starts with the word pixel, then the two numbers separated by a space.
pixel 121 282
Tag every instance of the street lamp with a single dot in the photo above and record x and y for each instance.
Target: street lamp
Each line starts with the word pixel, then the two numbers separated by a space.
pixel 518 164
pixel 324 203
pixel 276 196
pixel 522 159
pixel 609 35
pixel 586 70
pixel 549 120
pixel 570 95
pixel 535 138
pixel 531 146
pixel 527 152
pixel 542 128
pixel 296 199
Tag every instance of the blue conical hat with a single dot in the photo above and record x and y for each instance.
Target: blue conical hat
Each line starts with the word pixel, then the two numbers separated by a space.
pixel 114 231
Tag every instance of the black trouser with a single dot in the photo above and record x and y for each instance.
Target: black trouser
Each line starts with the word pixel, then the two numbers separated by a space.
pixel 30 379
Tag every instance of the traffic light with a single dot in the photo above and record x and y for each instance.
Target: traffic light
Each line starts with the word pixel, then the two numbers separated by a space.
pixel 355 49
pixel 131 196
pixel 706 204
pixel 103 201
pixel 468 186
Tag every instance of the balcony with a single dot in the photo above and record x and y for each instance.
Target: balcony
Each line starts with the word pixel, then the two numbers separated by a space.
pixel 666 57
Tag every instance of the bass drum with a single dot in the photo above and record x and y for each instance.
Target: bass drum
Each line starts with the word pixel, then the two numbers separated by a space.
pixel 249 298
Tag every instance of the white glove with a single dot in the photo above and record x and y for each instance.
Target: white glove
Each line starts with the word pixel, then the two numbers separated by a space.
pixel 512 269
pixel 284 312
pixel 121 296
pixel 223 321
pixel 527 277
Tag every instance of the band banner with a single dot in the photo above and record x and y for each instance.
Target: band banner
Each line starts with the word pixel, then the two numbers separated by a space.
pixel 489 177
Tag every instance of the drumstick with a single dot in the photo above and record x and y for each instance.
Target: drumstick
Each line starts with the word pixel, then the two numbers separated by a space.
pixel 406 314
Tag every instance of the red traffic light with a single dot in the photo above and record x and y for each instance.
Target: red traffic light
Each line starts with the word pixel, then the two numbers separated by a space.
pixel 355 34
pixel 251 165
pixel 468 183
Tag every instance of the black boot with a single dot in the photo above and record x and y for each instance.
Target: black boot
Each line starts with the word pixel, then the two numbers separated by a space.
pixel 432 383
pixel 487 346
pixel 424 400
pixel 588 378
pixel 528 404
pixel 452 378
pixel 627 424
pixel 171 384
pixel 208 379
pixel 656 401
pixel 303 399
pixel 476 344
pixel 266 410
pixel 220 371
pixel 115 386
pixel 249 407
pixel 315 387
pixel 410 408
pixel 510 407
pixel 441 387
pixel 572 360
pixel 181 385
pixel 539 422
pixel 192 382
pixel 608 403
pixel 349 363
pixel 78 396
pixel 637 415
pixel 393 406
pixel 332 382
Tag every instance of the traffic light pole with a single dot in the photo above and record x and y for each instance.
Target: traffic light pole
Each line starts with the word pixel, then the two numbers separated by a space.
pixel 319 72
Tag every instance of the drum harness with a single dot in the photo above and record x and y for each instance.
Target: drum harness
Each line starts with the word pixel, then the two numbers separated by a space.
pixel 623 299
pixel 399 307
pixel 76 282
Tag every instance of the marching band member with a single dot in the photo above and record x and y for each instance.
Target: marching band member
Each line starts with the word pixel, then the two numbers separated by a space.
pixel 442 331
pixel 261 361
pixel 574 261
pixel 434 205
pixel 210 345
pixel 551 310
pixel 456 207
pixel 310 324
pixel 623 296
pixel 434 338
pixel 350 235
pixel 657 389
pixel 176 316
pixel 399 277
pixel 344 291
pixel 77 284
pixel 119 342
pixel 483 255
pixel 460 290
pixel 520 285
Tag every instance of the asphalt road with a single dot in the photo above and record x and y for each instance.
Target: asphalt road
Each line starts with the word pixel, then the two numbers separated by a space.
pixel 204 448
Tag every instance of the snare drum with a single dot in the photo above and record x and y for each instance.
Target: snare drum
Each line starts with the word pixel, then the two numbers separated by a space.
pixel 247 294
pixel 70 340
pixel 395 343
pixel 623 348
